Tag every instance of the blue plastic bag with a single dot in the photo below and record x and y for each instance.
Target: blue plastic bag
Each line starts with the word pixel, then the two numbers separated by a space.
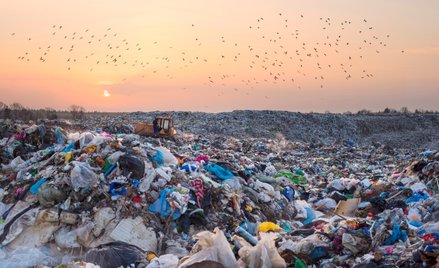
pixel 318 253
pixel 116 188
pixel 70 147
pixel 34 188
pixel 289 192
pixel 397 234
pixel 219 171
pixel 417 197
pixel 158 158
pixel 162 206
pixel 310 216
pixel 190 166
pixel 59 136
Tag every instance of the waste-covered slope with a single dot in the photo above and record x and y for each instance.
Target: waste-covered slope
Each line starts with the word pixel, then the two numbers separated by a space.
pixel 397 130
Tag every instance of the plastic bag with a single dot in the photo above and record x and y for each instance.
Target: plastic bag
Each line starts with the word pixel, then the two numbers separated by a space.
pixel 326 204
pixel 48 196
pixel 135 232
pixel 270 170
pixel 60 138
pixel 164 261
pixel 164 157
pixel 354 244
pixel 130 163
pixel 147 180
pixel 25 257
pixel 289 193
pixel 234 184
pixel 2 194
pixel 101 219
pixel 264 254
pixel 163 207
pixel 306 245
pixel 66 238
pixel 16 163
pixel 158 158
pixel 36 186
pixel 115 254
pixel 73 137
pixel 85 138
pixel 267 226
pixel 264 186
pixel 191 166
pixel 114 157
pixel 213 247
pixel 297 178
pixel 96 141
pixel 82 176
pixel 164 172
pixel 168 158
pixel 219 171
pixel 418 187
pixel 4 207
pixel 428 228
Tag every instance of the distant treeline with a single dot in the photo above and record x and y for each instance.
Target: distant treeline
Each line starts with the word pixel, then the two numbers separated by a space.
pixel 17 111
pixel 403 110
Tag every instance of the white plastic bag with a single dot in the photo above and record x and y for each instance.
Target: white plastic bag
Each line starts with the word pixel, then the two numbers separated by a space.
pixel 326 204
pixel 28 257
pixel 168 158
pixel 66 238
pixel 16 163
pixel 82 176
pixel 164 261
pixel 150 172
pixel 213 247
pixel 264 254
pixel 164 172
pixel 114 157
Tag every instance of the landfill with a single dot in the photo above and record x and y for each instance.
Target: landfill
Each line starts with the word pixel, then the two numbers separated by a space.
pixel 98 195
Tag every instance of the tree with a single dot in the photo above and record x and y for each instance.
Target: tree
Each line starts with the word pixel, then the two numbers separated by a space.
pixel 77 111
pixel 50 113
pixel 4 110
pixel 17 110
pixel 364 111
pixel 405 110
pixel 17 106
pixel 389 111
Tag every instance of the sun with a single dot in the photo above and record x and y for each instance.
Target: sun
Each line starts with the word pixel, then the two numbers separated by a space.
pixel 106 93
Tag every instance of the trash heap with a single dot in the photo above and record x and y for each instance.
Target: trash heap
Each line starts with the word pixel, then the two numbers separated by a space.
pixel 97 199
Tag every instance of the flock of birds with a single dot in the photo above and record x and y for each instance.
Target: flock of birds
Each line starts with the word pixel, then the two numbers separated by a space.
pixel 284 56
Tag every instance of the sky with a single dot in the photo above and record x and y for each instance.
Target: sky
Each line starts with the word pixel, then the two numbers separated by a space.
pixel 216 56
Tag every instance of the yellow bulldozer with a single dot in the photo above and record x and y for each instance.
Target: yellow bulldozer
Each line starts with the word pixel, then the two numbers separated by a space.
pixel 162 127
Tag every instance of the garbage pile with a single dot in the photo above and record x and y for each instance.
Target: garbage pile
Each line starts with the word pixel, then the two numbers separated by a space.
pixel 99 199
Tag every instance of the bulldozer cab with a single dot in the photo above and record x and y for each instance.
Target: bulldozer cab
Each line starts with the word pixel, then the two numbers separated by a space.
pixel 162 126
pixel 164 123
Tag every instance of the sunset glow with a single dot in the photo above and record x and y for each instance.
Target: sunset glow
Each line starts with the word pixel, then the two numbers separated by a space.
pixel 220 55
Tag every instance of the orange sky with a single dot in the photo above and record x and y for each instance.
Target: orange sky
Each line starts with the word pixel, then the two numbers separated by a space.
pixel 220 55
